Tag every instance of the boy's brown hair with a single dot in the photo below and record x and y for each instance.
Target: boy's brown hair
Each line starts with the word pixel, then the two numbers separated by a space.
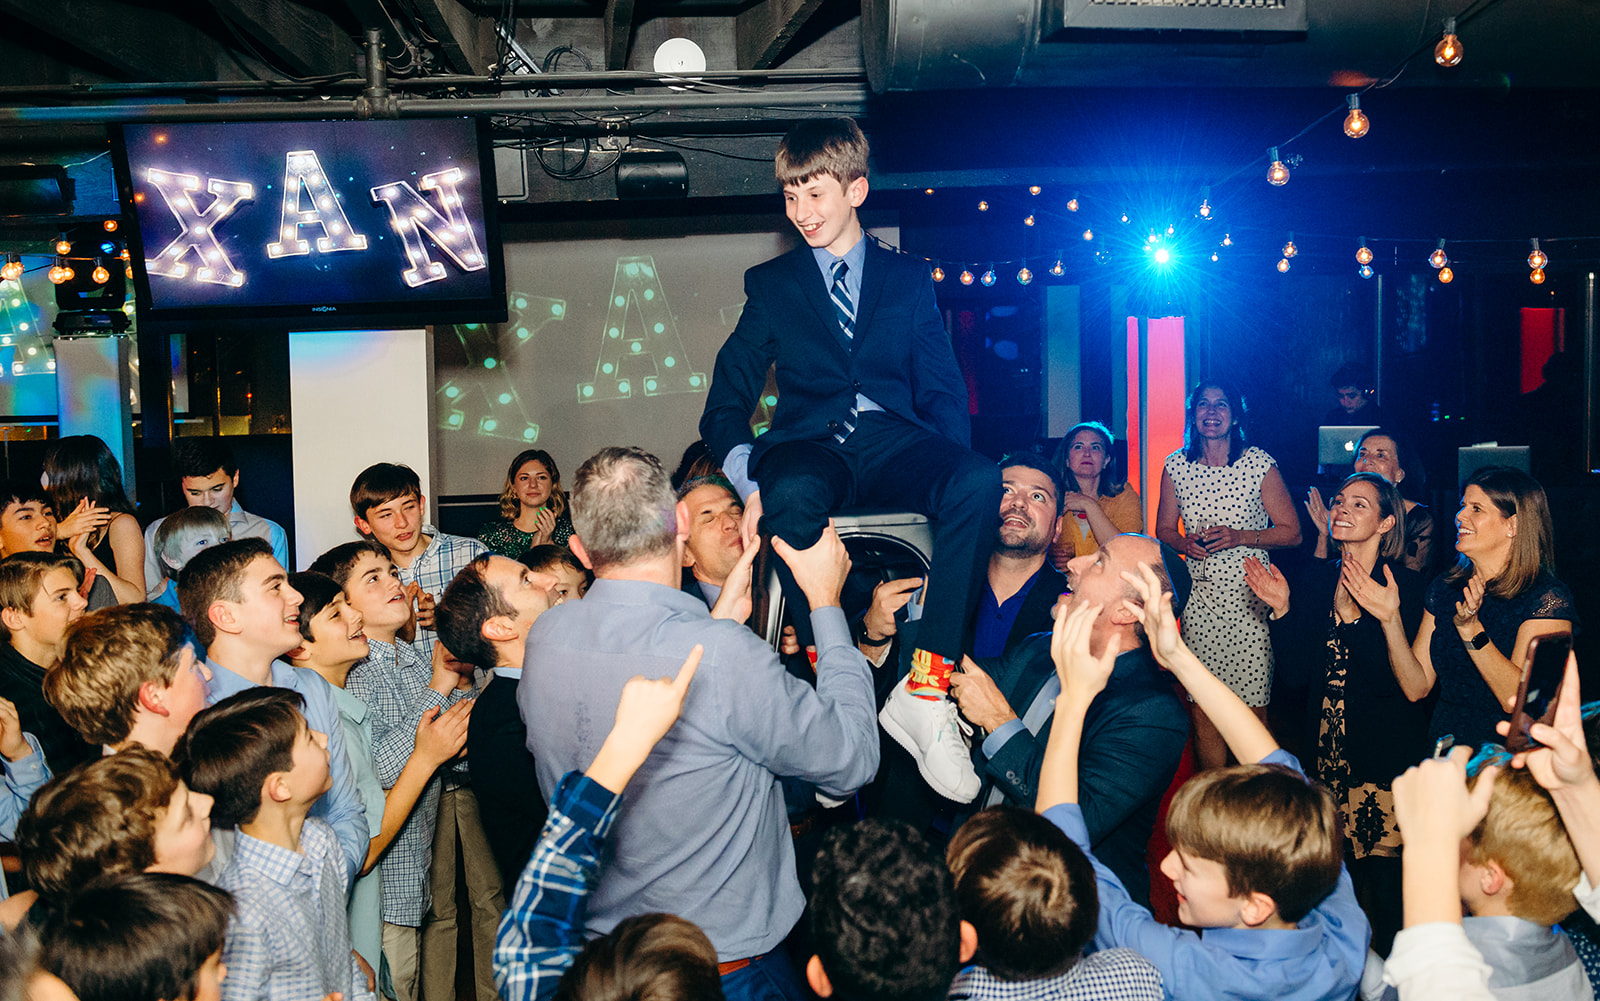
pixel 1271 830
pixel 831 146
pixel 231 748
pixel 1027 890
pixel 96 820
pixel 106 657
pixel 340 562
pixel 645 956
pixel 21 575
pixel 381 483
pixel 1523 833
pixel 135 937
pixel 215 575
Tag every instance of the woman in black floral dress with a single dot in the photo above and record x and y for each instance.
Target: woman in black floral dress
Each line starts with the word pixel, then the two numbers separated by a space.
pixel 1371 725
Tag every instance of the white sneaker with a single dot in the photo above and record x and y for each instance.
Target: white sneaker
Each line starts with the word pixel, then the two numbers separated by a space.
pixel 933 732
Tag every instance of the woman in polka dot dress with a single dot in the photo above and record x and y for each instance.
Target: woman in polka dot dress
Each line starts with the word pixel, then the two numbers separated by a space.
pixel 1233 504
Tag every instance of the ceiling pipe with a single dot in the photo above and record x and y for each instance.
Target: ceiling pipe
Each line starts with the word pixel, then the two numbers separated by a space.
pixel 845 101
pixel 568 81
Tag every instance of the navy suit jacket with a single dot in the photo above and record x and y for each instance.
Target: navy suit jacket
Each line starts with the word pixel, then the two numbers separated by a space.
pixel 900 357
pixel 1133 738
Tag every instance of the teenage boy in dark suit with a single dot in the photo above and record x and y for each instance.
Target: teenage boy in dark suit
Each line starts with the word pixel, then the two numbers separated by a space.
pixel 872 411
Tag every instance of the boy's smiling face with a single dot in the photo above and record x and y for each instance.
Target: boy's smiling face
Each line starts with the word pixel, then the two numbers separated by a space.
pixel 1204 900
pixel 824 211
pixel 374 590
pixel 336 633
pixel 268 612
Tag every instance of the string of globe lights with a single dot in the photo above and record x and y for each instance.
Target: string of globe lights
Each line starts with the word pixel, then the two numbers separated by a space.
pixel 1158 244
pixel 60 264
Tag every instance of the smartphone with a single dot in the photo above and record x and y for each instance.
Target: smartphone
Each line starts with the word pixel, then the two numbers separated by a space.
pixel 1543 669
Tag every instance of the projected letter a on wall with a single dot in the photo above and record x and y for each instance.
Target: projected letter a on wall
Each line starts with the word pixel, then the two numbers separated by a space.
pixel 640 349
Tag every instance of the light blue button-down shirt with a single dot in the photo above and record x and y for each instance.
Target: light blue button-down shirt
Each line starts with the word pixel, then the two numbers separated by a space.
pixel 705 833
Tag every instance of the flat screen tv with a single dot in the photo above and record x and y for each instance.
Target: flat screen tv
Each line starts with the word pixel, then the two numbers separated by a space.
pixel 316 225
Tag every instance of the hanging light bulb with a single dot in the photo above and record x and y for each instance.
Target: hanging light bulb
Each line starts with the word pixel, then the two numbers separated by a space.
pixel 1355 123
pixel 63 245
pixel 12 269
pixel 988 278
pixel 1365 271
pixel 927 191
pixel 966 277
pixel 1538 259
pixel 129 272
pixel 1363 255
pixel 1289 249
pixel 938 273
pixel 1283 266
pixel 1152 238
pixel 1072 203
pixel 124 255
pixel 1214 256
pixel 1204 211
pixel 1123 218
pixel 983 206
pixel 1024 276
pixel 1171 229
pixel 1227 240
pixel 1057 268
pixel 1277 174
pixel 1034 189
pixel 1029 220
pixel 110 225
pixel 1088 234
pixel 1438 258
pixel 1449 51
pixel 1446 276
pixel 60 273
pixel 1537 276
pixel 100 274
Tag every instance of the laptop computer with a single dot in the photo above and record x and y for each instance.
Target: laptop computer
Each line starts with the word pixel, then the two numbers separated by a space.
pixel 1336 445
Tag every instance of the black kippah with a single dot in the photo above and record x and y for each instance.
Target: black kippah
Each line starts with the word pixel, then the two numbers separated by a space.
pixel 1178 574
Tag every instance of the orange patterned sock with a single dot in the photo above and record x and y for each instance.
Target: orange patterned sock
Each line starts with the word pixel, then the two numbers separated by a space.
pixel 930 675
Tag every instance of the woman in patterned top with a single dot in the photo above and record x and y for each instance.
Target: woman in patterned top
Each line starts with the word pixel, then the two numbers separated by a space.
pixel 1379 451
pixel 1479 615
pixel 1370 726
pixel 533 507
pixel 1233 504
pixel 1102 504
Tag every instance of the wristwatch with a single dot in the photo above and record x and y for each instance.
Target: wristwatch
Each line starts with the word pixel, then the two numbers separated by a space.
pixel 1479 641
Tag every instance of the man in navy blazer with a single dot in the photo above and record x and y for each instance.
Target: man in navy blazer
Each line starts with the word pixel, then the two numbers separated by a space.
pixel 872 411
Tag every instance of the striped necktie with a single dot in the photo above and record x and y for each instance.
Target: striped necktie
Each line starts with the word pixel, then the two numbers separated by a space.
pixel 845 310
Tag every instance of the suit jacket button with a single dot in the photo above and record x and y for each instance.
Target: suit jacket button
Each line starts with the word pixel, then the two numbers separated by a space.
pixel 856 385
pixel 833 427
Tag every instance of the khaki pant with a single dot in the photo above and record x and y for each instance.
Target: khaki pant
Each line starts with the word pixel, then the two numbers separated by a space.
pixel 458 821
pixel 400 947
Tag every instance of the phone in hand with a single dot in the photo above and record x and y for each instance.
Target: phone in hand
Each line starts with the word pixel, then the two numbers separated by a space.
pixel 1543 669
